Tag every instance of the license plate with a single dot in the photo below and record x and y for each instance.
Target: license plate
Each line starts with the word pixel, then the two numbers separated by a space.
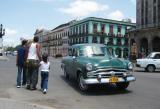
pixel 113 79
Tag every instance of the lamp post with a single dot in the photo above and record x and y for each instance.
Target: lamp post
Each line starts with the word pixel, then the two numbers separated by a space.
pixel 2 33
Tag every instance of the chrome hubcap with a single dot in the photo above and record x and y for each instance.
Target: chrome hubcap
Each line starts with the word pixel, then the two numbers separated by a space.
pixel 83 86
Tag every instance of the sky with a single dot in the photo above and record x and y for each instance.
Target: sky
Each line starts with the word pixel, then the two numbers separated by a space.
pixel 21 18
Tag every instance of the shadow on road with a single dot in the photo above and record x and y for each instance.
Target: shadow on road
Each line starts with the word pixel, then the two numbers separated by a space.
pixel 96 90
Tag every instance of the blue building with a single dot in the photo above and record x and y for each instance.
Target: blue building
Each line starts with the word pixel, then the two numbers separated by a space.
pixel 112 33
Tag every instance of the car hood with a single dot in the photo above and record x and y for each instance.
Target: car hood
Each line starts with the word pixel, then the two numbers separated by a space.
pixel 105 62
pixel 143 59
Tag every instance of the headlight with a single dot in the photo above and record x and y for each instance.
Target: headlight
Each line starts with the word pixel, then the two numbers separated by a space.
pixel 130 66
pixel 89 66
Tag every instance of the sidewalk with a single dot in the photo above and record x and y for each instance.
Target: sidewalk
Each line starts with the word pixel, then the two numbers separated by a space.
pixel 13 104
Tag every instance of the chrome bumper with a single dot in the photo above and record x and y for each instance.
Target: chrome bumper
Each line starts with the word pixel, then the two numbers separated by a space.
pixel 106 80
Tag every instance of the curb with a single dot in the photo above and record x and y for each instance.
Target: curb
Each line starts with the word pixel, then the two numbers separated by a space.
pixel 13 104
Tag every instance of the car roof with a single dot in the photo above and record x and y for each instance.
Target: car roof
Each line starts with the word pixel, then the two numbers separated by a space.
pixel 155 52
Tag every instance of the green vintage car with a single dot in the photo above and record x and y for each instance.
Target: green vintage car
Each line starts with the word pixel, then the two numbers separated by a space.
pixel 92 64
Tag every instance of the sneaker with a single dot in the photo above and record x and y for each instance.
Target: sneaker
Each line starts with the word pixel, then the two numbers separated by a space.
pixel 18 86
pixel 44 91
pixel 27 86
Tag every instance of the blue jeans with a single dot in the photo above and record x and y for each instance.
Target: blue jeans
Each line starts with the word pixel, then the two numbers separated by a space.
pixel 44 79
pixel 19 76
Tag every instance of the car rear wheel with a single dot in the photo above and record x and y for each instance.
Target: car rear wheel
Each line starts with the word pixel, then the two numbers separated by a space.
pixel 81 84
pixel 123 85
pixel 151 68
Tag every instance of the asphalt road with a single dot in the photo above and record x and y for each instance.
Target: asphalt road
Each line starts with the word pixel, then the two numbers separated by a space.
pixel 62 94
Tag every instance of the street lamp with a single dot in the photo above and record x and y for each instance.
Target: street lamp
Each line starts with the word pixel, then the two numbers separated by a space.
pixel 2 33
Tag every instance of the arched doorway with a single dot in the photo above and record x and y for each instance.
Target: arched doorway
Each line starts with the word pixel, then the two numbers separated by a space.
pixel 156 44
pixel 144 46
pixel 125 53
pixel 118 52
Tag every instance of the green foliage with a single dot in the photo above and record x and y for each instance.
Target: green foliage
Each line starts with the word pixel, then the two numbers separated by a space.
pixel 12 48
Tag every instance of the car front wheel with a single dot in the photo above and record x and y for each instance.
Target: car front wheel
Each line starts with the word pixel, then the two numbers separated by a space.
pixel 122 86
pixel 81 84
pixel 66 74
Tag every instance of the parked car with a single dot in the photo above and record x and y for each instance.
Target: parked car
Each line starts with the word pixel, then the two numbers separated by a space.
pixel 14 53
pixel 150 63
pixel 1 52
pixel 92 64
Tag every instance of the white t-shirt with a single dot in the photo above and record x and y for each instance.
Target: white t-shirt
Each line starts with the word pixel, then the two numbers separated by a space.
pixel 44 66
pixel 32 54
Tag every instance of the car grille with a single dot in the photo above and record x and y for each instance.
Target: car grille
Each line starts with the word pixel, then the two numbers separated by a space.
pixel 106 73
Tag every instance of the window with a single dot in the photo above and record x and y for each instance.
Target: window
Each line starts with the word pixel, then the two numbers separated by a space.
pixel 110 41
pixel 102 40
pixel 94 40
pixel 111 29
pixel 74 52
pixel 159 11
pixel 119 29
pixel 80 31
pixel 118 41
pixel 154 14
pixel 95 27
pixel 103 28
pixel 146 13
pixel 157 56
pixel 142 12
pixel 86 39
pixel 77 29
pixel 87 28
pixel 82 39
pixel 83 29
pixel 126 42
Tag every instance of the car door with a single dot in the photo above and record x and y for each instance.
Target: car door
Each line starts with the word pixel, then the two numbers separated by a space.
pixel 69 61
pixel 74 62
pixel 156 60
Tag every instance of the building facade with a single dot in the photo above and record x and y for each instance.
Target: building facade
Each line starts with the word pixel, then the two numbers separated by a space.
pixel 147 33
pixel 59 40
pixel 97 30
pixel 43 39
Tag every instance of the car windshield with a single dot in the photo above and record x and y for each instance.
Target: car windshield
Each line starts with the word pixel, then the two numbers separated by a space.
pixel 151 55
pixel 94 51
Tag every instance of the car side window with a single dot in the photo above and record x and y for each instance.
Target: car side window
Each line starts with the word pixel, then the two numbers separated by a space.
pixel 74 53
pixel 81 52
pixel 70 51
pixel 157 56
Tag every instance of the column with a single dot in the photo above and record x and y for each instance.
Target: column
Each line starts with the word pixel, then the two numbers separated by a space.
pixel 114 51
pixel 107 28
pixel 99 27
pixel 90 27
pixel 122 50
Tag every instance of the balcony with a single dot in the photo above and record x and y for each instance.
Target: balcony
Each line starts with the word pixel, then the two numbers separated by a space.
pixel 111 35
